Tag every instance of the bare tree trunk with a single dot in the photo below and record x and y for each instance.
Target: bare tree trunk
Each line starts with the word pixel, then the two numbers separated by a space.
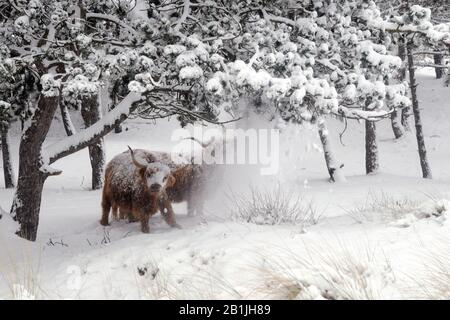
pixel 333 166
pixel 67 121
pixel 119 89
pixel 447 78
pixel 90 111
pixel 426 171
pixel 396 124
pixel 438 60
pixel 27 200
pixel 402 76
pixel 97 157
pixel 397 127
pixel 8 170
pixel 371 146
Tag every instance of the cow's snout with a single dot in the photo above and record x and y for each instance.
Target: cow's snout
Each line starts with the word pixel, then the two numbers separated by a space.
pixel 156 187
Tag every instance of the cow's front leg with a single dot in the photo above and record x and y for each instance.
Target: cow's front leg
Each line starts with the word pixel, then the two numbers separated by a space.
pixel 165 207
pixel 144 217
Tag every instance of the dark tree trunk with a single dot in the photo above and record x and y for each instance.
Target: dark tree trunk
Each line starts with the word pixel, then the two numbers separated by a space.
pixel 438 60
pixel 396 124
pixel 67 121
pixel 334 168
pixel 27 199
pixel 405 118
pixel 402 76
pixel 90 111
pixel 402 56
pixel 447 78
pixel 426 171
pixel 8 170
pixel 97 157
pixel 371 146
pixel 119 89
pixel 397 127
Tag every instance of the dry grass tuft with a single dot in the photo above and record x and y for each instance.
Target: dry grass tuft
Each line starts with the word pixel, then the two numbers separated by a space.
pixel 273 207
pixel 328 272
pixel 383 206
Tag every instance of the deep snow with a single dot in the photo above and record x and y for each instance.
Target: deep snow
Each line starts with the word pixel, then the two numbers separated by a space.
pixel 348 254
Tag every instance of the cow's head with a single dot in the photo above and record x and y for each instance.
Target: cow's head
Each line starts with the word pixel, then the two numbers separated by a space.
pixel 155 175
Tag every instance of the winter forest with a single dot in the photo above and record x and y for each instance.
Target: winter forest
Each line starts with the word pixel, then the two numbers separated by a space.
pixel 239 149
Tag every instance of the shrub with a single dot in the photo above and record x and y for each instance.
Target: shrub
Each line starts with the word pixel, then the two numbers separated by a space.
pixel 273 207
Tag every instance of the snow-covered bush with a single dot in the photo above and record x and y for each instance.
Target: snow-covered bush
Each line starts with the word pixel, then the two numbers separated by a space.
pixel 273 207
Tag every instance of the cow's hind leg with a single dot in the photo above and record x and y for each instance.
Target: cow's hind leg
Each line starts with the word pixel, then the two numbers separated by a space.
pixel 115 212
pixel 106 207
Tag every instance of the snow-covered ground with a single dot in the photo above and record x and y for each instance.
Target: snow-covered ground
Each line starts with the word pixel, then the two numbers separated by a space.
pixel 380 236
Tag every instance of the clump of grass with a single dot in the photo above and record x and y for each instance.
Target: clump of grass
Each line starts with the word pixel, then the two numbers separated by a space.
pixel 332 273
pixel 273 207
pixel 387 207
pixel 21 278
pixel 435 284
pixel 156 283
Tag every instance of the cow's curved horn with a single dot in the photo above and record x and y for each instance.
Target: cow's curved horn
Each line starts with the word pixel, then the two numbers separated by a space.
pixel 203 144
pixel 135 161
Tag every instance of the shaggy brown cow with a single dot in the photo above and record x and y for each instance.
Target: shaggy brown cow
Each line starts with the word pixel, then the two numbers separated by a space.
pixel 134 187
pixel 190 185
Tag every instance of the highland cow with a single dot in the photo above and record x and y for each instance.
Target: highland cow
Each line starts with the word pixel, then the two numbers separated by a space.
pixel 134 186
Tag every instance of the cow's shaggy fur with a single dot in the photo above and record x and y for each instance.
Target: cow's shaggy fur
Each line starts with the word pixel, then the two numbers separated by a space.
pixel 127 188
pixel 190 186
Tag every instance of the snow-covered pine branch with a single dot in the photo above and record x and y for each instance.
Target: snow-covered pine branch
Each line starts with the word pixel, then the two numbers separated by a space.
pixel 415 20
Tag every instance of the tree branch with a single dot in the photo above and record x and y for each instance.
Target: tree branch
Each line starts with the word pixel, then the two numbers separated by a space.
pixel 111 18
pixel 363 114
pixel 86 137
pixel 186 11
